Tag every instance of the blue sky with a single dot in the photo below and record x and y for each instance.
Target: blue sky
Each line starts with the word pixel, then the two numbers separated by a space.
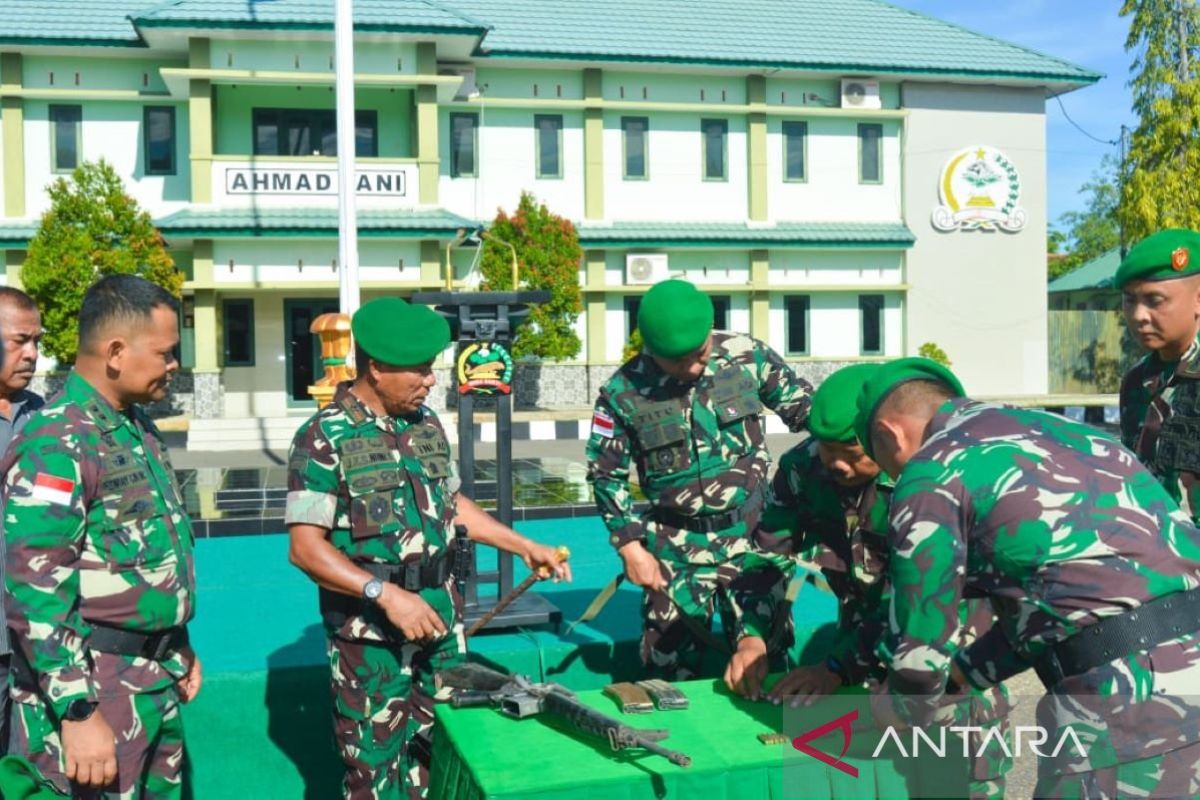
pixel 1086 32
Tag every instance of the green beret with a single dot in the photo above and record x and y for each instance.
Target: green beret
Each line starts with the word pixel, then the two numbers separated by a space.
pixel 397 333
pixel 835 403
pixel 888 377
pixel 674 318
pixel 1172 253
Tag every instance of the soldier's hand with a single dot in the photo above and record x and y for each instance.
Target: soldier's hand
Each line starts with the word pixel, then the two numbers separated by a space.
pixel 409 612
pixel 747 669
pixel 189 684
pixel 641 567
pixel 805 686
pixel 90 749
pixel 546 562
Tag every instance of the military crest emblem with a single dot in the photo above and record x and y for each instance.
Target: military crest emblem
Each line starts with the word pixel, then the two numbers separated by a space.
pixel 979 189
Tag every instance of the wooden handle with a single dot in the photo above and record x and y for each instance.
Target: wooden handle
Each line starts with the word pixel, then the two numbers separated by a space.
pixel 561 554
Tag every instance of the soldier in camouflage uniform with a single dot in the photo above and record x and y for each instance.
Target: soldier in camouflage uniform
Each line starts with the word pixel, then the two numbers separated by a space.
pixel 1092 570
pixel 372 504
pixel 100 577
pixel 830 505
pixel 688 412
pixel 1159 281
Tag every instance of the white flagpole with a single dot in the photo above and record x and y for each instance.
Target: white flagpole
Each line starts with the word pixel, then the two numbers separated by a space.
pixel 343 45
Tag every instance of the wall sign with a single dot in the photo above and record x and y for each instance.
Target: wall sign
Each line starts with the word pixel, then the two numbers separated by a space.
pixel 980 190
pixel 283 181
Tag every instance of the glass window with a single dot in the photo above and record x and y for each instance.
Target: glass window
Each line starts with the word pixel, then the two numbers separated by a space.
pixel 549 145
pixel 870 309
pixel 721 312
pixel 795 144
pixel 310 132
pixel 636 133
pixel 795 308
pixel 716 139
pixel 464 142
pixel 631 312
pixel 65 122
pixel 238 329
pixel 158 125
pixel 870 142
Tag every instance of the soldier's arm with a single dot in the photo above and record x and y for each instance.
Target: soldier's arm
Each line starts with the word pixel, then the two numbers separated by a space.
pixel 862 624
pixel 990 659
pixel 608 473
pixel 1130 418
pixel 928 523
pixel 780 389
pixel 45 519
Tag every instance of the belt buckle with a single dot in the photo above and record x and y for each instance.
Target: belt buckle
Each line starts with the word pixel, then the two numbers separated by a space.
pixel 161 645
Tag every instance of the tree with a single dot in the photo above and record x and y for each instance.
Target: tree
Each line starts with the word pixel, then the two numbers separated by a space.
pixel 1161 186
pixel 92 229
pixel 1092 232
pixel 548 252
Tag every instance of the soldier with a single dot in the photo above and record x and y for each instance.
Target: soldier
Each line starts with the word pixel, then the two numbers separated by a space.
pixel 21 332
pixel 1091 567
pixel 832 499
pixel 100 576
pixel 372 504
pixel 688 411
pixel 1159 281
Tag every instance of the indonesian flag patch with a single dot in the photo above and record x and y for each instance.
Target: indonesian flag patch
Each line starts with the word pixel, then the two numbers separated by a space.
pixel 602 424
pixel 51 489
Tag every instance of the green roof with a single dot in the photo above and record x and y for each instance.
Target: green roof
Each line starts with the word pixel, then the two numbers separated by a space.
pixel 315 222
pixel 840 36
pixel 369 15
pixel 882 235
pixel 1095 274
pixel 70 22
pixel 17 234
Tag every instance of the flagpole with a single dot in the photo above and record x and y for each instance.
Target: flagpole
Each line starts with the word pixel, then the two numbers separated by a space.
pixel 343 45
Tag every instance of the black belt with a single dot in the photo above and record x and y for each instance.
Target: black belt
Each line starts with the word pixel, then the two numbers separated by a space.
pixel 153 646
pixel 1139 629
pixel 413 576
pixel 712 522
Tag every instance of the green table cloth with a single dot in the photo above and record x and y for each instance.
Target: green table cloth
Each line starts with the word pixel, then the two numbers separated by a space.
pixel 479 753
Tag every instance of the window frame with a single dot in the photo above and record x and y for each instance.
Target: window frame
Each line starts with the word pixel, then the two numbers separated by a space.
pixel 318 121
pixel 645 176
pixel 538 119
pixel 226 304
pixel 726 301
pixel 803 125
pixel 52 112
pixel 704 124
pixel 173 140
pixel 787 324
pixel 453 167
pixel 630 305
pixel 863 126
pixel 862 324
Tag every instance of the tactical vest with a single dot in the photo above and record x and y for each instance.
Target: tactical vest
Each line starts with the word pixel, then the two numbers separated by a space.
pixel 1178 445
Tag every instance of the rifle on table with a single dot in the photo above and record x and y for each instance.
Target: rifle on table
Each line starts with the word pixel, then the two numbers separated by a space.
pixel 518 697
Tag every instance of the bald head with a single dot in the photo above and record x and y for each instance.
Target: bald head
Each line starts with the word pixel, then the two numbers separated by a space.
pixel 899 425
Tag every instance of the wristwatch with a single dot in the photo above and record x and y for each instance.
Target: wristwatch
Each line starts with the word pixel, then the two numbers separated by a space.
pixel 79 710
pixel 373 589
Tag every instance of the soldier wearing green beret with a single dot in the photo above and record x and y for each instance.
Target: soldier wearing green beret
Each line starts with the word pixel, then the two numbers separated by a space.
pixel 1091 568
pixel 688 412
pixel 830 504
pixel 372 504
pixel 1159 281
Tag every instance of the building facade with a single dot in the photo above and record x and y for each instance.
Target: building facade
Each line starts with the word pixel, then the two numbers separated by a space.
pixel 847 179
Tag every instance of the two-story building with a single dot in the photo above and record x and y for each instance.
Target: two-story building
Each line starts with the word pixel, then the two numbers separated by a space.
pixel 848 179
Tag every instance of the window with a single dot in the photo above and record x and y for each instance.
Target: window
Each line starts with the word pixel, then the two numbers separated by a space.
pixel 636 132
pixel 464 145
pixel 310 132
pixel 795 312
pixel 238 328
pixel 716 141
pixel 795 144
pixel 870 311
pixel 158 135
pixel 549 145
pixel 65 122
pixel 631 312
pixel 721 312
pixel 870 143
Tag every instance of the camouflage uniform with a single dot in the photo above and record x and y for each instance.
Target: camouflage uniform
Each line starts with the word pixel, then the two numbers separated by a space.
pixel 700 450
pixel 843 530
pixel 1061 528
pixel 1160 421
pixel 384 488
pixel 97 535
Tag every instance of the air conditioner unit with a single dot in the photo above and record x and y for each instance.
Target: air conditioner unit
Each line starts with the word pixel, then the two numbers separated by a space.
pixel 857 93
pixel 645 268
pixel 467 88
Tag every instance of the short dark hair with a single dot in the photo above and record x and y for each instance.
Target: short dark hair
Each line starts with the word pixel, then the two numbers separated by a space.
pixel 17 299
pixel 121 299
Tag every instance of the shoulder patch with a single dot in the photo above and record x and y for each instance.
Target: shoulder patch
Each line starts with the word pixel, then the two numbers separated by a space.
pixel 602 424
pixel 52 489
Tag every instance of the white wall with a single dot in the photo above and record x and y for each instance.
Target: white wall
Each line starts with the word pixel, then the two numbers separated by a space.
pixel 836 267
pixel 392 57
pixel 263 262
pixel 834 327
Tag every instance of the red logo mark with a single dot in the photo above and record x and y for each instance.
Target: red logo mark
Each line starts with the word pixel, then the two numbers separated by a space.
pixel 843 724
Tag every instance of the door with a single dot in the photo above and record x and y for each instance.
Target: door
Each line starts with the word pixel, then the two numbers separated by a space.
pixel 303 349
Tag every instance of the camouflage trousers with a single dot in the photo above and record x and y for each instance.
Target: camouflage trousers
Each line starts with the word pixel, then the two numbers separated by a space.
pixel 988 710
pixel 149 733
pixel 677 623
pixel 383 697
pixel 1174 775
